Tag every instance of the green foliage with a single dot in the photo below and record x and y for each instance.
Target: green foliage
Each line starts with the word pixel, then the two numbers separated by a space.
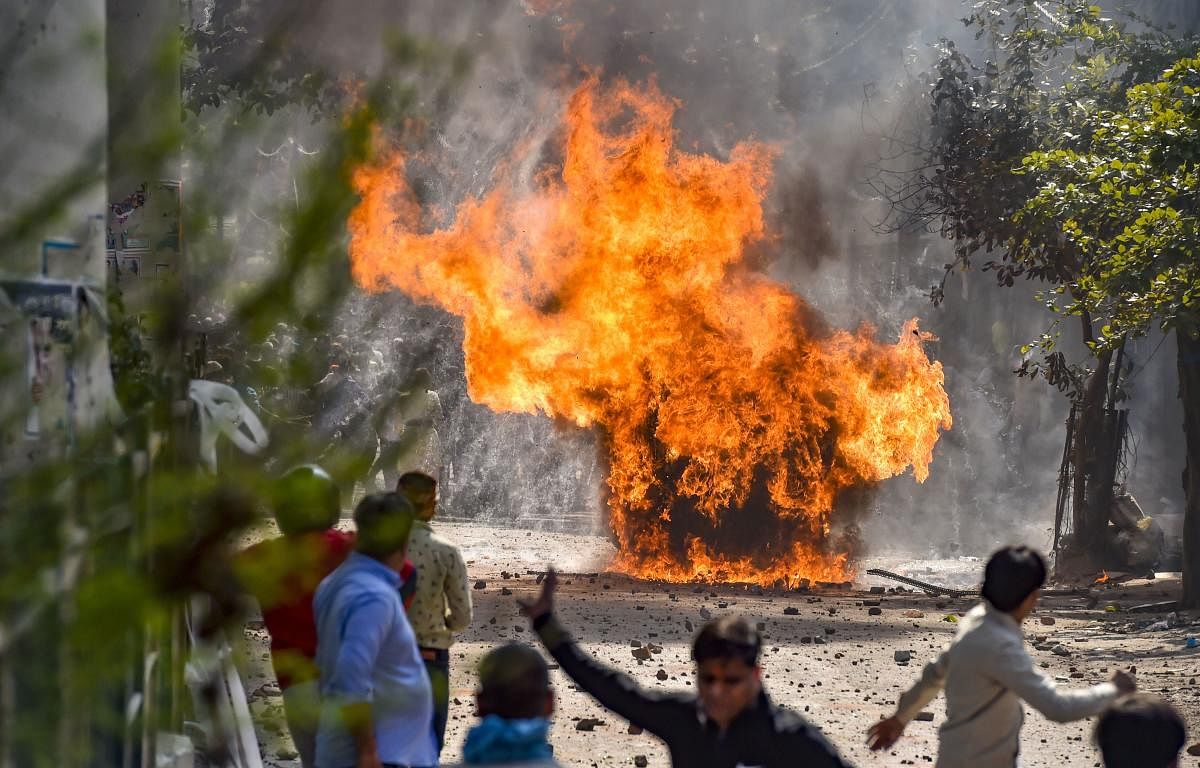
pixel 103 545
pixel 1013 144
pixel 1128 204
pixel 133 369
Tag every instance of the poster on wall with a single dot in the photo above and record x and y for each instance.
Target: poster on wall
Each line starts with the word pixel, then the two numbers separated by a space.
pixel 144 232
pixel 49 311
pixel 62 328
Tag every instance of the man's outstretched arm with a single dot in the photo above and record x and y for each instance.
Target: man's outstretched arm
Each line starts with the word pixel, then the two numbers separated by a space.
pixel 886 732
pixel 615 690
pixel 1013 668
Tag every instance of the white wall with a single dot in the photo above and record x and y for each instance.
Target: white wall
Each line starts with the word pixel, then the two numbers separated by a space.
pixel 55 108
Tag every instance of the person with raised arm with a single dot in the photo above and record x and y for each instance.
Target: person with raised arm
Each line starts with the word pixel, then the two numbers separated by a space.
pixel 730 721
pixel 986 674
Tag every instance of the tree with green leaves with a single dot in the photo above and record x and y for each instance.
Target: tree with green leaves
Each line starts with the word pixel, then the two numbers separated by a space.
pixel 1002 172
pixel 1127 204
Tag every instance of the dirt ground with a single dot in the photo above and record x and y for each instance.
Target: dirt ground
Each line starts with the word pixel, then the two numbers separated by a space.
pixel 827 654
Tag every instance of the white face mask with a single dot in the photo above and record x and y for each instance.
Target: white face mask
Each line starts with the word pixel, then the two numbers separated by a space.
pixel 222 412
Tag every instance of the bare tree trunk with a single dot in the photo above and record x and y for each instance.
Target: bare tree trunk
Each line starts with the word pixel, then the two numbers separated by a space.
pixel 1088 457
pixel 1188 341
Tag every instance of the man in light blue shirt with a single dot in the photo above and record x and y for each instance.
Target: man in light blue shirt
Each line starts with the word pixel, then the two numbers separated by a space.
pixel 377 706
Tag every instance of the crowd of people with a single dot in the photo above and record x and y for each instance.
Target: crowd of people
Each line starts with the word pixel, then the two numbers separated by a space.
pixel 359 403
pixel 361 626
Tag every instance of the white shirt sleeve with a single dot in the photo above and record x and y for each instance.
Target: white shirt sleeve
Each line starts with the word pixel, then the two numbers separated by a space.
pixel 1013 669
pixel 933 678
pixel 457 589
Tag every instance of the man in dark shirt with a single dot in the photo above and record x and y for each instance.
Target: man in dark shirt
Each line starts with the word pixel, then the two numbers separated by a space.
pixel 1141 731
pixel 730 721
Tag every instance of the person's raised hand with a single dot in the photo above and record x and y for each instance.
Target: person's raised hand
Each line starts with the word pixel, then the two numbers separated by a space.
pixel 1124 681
pixel 545 600
pixel 885 733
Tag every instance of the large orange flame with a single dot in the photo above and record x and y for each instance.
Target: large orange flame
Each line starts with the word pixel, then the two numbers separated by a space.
pixel 614 291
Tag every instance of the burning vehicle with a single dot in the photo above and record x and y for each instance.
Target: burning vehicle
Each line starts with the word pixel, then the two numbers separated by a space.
pixel 612 280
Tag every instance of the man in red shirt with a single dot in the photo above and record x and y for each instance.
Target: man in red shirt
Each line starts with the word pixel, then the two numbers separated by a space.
pixel 282 574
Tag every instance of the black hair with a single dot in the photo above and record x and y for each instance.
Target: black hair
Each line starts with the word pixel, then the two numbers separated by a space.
pixel 416 482
pixel 304 499
pixel 384 521
pixel 513 682
pixel 1140 731
pixel 1011 575
pixel 421 490
pixel 729 637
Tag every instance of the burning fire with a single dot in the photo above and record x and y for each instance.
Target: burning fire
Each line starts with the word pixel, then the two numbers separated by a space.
pixel 1103 578
pixel 616 293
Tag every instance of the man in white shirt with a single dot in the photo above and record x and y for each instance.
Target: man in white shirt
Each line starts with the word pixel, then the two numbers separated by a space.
pixel 442 604
pixel 986 673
